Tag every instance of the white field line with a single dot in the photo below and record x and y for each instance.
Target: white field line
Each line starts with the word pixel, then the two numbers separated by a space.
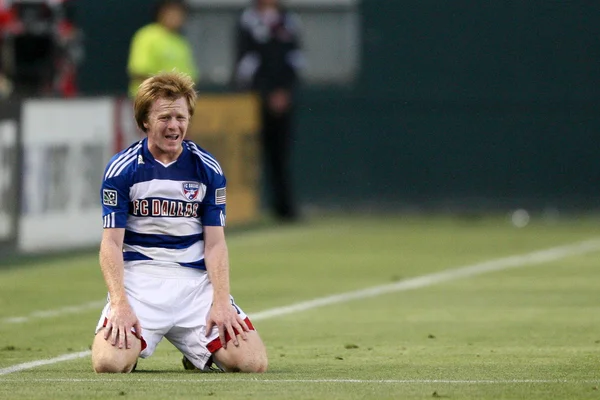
pixel 516 261
pixel 54 313
pixel 39 363
pixel 537 257
pixel 202 378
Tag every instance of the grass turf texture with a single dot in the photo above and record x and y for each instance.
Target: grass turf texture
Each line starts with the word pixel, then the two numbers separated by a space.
pixel 529 332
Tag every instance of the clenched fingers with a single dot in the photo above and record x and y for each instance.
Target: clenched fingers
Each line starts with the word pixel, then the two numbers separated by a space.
pixel 232 335
pixel 122 336
pixel 107 330
pixel 114 334
pixel 244 328
pixel 222 337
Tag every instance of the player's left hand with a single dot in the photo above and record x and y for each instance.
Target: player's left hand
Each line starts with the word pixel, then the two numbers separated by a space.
pixel 227 320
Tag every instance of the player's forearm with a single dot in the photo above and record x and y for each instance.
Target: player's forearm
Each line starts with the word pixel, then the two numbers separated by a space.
pixel 111 264
pixel 217 266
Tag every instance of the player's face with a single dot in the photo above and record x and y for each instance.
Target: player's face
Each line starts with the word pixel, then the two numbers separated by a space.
pixel 166 127
pixel 268 3
pixel 173 18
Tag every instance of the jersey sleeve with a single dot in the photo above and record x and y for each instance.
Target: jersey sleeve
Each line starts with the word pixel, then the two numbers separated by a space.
pixel 114 195
pixel 214 202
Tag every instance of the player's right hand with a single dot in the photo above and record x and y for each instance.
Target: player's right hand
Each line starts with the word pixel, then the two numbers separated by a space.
pixel 120 321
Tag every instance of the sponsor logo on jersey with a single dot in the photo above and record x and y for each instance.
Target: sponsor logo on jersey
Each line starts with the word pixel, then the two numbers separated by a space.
pixel 109 197
pixel 190 190
pixel 164 208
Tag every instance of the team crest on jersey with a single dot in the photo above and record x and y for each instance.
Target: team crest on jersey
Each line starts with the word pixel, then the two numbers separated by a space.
pixel 191 190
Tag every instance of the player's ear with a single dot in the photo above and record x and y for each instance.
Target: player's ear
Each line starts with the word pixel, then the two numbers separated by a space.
pixel 146 126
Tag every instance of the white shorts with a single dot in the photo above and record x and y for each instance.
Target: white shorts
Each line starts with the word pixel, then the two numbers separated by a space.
pixel 172 302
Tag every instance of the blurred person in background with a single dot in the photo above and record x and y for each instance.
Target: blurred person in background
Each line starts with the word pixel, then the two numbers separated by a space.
pixel 160 46
pixel 6 18
pixel 268 60
pixel 40 46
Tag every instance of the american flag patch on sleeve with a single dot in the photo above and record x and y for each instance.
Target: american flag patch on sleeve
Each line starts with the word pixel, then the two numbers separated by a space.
pixel 220 196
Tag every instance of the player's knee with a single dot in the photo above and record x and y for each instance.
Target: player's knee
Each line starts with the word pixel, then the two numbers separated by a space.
pixel 115 362
pixel 251 361
pixel 108 359
pixel 253 364
pixel 259 364
pixel 104 366
pixel 250 356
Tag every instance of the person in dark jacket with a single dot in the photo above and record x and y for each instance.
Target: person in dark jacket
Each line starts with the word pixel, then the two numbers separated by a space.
pixel 269 58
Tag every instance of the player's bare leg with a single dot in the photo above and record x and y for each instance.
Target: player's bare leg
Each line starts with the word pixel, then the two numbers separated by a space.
pixel 109 358
pixel 249 356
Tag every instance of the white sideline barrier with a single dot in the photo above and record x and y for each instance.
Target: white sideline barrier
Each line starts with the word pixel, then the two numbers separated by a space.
pixel 67 144
pixel 8 146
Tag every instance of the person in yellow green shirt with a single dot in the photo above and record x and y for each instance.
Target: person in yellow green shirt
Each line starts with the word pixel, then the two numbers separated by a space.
pixel 160 46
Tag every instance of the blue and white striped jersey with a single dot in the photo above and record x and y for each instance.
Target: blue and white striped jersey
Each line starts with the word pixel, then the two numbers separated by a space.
pixel 163 207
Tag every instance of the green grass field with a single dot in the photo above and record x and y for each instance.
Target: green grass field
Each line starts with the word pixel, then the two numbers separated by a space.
pixel 528 330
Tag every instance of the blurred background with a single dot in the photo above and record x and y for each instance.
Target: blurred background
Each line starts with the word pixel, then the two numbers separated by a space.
pixel 401 106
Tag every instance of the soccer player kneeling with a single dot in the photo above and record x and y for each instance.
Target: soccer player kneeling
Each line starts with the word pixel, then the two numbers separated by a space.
pixel 163 252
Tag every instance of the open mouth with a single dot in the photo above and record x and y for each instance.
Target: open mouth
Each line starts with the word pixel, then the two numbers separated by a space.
pixel 172 137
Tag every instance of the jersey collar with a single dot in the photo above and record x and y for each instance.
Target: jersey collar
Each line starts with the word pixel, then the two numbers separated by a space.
pixel 148 157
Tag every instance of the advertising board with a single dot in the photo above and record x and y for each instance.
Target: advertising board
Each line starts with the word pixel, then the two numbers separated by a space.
pixel 66 144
